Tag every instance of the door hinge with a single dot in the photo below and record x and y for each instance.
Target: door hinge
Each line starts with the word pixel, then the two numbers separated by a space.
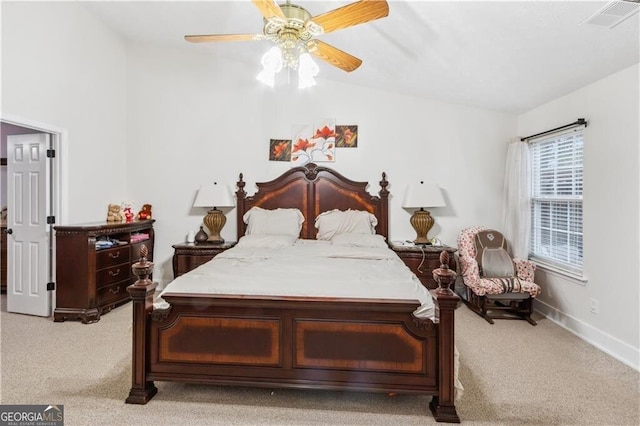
pixel 51 153
pixel 51 286
pixel 51 220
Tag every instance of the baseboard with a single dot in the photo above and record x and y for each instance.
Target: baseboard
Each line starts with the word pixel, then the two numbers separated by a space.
pixel 603 341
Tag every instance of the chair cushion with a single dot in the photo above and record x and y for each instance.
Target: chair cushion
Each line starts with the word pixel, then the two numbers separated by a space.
pixel 496 263
pixel 491 254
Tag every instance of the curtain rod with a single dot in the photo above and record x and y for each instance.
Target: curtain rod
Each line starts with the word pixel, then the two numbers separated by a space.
pixel 578 122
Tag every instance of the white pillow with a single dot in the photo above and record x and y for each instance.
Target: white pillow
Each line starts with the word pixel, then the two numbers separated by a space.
pixel 336 222
pixel 359 240
pixel 273 222
pixel 266 241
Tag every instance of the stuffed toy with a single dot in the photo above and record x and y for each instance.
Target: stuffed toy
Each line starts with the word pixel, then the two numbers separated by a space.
pixel 114 214
pixel 145 213
pixel 127 208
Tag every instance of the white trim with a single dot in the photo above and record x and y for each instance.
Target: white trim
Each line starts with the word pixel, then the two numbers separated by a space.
pixel 60 184
pixel 608 344
pixel 60 143
pixel 576 277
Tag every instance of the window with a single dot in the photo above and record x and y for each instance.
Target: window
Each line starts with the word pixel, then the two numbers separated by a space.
pixel 556 201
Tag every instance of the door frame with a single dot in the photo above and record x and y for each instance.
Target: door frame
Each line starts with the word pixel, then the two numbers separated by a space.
pixel 57 183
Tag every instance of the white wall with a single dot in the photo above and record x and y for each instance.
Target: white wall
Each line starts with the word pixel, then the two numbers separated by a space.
pixel 194 120
pixel 611 218
pixel 151 125
pixel 64 68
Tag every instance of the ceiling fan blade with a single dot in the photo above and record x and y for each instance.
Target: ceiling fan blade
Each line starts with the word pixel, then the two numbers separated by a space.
pixel 222 37
pixel 352 14
pixel 269 9
pixel 333 55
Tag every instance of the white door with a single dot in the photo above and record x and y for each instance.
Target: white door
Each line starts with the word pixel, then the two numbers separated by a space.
pixel 27 239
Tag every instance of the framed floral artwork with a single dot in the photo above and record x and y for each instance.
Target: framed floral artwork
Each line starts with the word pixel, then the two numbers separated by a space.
pixel 346 136
pixel 280 150
pixel 314 143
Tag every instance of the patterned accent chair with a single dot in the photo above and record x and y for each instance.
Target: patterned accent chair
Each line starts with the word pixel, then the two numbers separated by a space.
pixel 496 286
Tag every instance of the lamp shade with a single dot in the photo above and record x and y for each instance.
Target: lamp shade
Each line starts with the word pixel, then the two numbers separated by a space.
pixel 215 195
pixel 423 195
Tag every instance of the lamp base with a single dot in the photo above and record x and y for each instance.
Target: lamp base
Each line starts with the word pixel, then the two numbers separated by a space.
pixel 422 223
pixel 215 220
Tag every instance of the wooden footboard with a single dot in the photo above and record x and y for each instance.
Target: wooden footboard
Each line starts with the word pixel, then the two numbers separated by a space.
pixel 365 345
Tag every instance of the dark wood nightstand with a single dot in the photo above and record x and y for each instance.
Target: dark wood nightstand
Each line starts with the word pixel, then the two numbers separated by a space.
pixel 188 256
pixel 422 260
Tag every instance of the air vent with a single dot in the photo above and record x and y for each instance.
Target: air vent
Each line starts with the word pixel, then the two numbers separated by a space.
pixel 614 13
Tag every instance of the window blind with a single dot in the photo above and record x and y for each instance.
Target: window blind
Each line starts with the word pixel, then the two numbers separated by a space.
pixel 556 200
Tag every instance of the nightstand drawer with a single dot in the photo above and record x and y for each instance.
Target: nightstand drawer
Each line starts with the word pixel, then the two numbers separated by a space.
pixel 112 256
pixel 423 260
pixel 188 256
pixel 185 264
pixel 424 271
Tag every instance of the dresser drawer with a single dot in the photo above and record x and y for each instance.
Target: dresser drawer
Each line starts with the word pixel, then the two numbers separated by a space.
pixel 112 256
pixel 113 293
pixel 112 274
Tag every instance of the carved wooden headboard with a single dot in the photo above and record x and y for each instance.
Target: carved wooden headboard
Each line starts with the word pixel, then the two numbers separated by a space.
pixel 315 189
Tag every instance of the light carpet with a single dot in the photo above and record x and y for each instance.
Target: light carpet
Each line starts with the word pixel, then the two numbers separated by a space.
pixel 513 373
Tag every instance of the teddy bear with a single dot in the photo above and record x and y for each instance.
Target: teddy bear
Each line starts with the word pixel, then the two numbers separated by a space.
pixel 127 211
pixel 145 213
pixel 114 213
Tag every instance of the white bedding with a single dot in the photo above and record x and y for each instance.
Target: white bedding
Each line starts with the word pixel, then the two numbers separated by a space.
pixel 307 268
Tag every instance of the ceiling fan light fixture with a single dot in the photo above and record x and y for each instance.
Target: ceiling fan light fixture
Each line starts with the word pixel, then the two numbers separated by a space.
pixel 271 65
pixel 292 29
pixel 307 70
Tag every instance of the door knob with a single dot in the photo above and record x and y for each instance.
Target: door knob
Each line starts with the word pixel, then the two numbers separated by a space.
pixel 8 231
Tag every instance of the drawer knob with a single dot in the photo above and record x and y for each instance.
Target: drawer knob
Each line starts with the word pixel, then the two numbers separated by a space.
pixel 114 290
pixel 116 273
pixel 114 255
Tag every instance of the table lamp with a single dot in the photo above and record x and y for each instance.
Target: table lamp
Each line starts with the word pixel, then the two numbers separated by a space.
pixel 420 196
pixel 214 196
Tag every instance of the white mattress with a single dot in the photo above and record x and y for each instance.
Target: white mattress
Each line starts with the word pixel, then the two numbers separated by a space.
pixel 309 268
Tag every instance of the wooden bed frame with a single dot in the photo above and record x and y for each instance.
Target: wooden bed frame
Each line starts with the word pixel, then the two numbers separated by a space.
pixel 296 342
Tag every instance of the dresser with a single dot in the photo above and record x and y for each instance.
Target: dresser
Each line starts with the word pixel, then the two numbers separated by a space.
pixel 187 256
pixel 422 260
pixel 93 266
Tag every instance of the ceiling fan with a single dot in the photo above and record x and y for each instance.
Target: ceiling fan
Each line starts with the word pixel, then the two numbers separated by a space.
pixel 293 30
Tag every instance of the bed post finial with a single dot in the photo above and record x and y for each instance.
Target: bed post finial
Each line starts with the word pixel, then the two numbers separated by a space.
pixel 240 184
pixel 443 275
pixel 383 184
pixel 240 204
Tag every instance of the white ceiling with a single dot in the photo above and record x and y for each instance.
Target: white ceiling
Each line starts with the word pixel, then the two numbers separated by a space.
pixel 503 55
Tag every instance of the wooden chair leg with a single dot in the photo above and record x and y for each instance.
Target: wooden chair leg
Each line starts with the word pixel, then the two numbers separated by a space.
pixel 478 305
pixel 485 313
pixel 529 307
